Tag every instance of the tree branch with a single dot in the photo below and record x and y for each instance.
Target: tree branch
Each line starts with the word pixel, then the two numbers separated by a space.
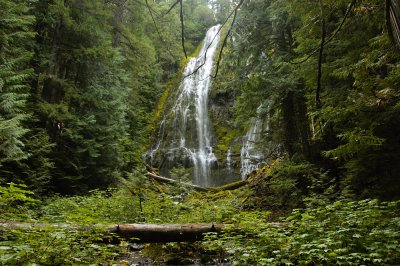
pixel 226 37
pixel 350 7
pixel 158 31
pixel 392 21
pixel 182 27
pixel 172 7
pixel 205 54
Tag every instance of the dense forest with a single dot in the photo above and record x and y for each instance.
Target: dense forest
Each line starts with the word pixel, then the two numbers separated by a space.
pixel 298 138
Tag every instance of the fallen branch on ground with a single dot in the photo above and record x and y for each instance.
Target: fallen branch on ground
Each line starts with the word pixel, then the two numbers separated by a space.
pixel 167 180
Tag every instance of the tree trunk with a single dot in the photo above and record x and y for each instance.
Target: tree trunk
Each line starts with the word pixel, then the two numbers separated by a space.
pixel 229 186
pixel 140 233
pixel 166 180
pixel 160 233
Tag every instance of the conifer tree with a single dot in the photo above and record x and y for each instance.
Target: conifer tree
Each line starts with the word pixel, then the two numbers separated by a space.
pixel 16 37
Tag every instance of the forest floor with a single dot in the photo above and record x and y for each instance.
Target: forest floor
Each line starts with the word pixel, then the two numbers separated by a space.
pixel 342 232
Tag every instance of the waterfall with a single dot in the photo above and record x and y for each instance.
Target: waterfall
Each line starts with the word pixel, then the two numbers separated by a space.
pixel 152 153
pixel 229 160
pixel 184 138
pixel 195 89
pixel 251 157
pixel 189 131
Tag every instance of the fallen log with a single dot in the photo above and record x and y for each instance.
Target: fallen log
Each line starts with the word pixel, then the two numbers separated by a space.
pixel 160 233
pixel 231 186
pixel 140 233
pixel 166 180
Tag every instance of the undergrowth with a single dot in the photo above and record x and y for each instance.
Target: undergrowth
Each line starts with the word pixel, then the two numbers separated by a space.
pixel 342 232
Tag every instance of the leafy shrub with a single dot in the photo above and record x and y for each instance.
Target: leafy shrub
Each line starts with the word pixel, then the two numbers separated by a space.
pixel 287 185
pixel 15 201
pixel 55 246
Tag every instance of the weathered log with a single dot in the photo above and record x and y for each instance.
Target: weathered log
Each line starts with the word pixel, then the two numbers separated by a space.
pixel 140 233
pixel 160 233
pixel 231 186
pixel 166 180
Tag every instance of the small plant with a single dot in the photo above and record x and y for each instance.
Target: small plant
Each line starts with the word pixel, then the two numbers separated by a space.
pixel 15 201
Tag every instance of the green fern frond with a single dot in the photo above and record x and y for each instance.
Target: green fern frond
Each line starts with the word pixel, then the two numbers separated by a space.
pixel 357 141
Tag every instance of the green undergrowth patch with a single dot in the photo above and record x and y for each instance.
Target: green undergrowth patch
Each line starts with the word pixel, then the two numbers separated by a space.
pixel 343 232
pixel 57 246
pixel 147 205
pixel 67 244
pixel 363 232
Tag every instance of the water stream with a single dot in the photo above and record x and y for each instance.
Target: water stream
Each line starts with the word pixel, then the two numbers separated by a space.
pixel 251 157
pixel 192 139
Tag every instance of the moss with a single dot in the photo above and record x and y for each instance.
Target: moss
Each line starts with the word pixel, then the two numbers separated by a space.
pixel 226 137
pixel 166 95
pixel 162 101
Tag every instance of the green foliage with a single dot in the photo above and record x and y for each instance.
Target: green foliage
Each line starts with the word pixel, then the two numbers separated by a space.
pixel 110 206
pixel 15 192
pixel 272 59
pixel 16 38
pixel 363 232
pixel 56 246
pixel 140 201
pixel 356 142
pixel 15 201
pixel 287 185
pixel 346 232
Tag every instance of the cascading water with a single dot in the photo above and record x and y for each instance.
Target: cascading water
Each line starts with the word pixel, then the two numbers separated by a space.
pixel 191 138
pixel 185 142
pixel 251 157
pixel 153 151
pixel 229 160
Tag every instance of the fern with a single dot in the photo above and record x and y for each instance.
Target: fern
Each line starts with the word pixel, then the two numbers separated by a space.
pixel 357 140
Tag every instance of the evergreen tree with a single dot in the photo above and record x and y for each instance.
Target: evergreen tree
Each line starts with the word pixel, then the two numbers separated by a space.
pixel 16 37
pixel 80 90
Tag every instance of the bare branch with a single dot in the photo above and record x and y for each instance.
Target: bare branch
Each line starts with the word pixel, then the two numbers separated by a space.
pixel 172 7
pixel 226 37
pixel 152 17
pixel 182 28
pixel 142 4
pixel 129 42
pixel 155 25
pixel 205 56
pixel 392 21
pixel 219 30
